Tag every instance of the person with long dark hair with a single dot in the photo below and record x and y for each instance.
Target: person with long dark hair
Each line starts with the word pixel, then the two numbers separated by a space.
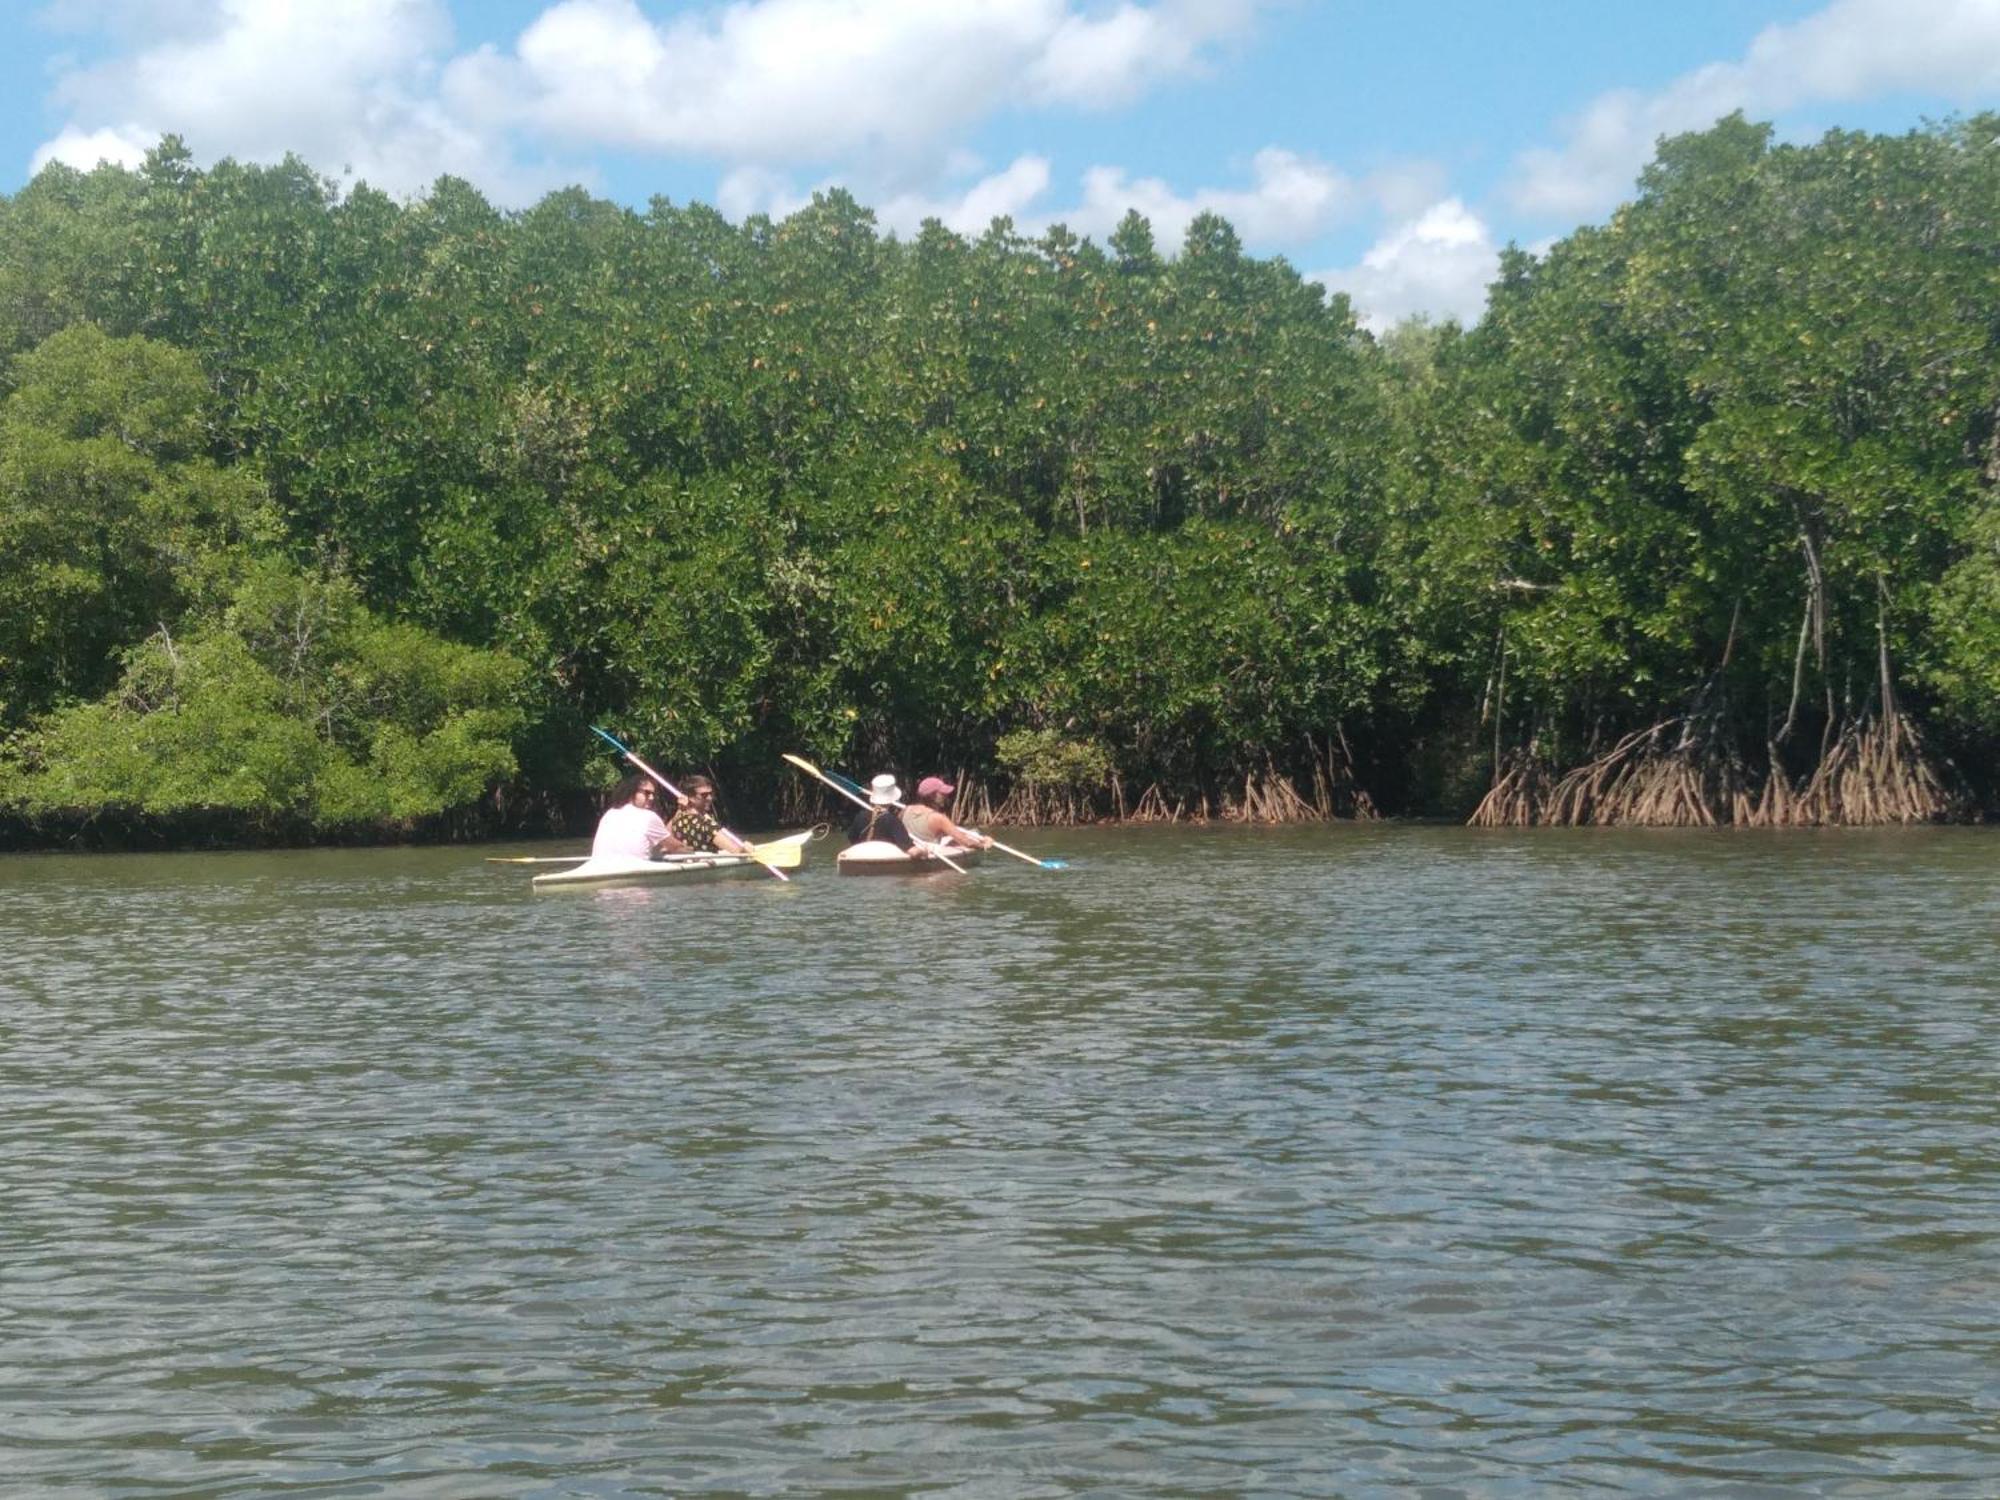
pixel 631 826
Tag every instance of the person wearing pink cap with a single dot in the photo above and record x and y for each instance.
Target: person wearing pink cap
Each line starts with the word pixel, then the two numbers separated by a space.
pixel 929 818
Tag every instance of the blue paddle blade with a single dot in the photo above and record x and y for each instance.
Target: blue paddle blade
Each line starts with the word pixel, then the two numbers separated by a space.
pixel 852 786
pixel 610 739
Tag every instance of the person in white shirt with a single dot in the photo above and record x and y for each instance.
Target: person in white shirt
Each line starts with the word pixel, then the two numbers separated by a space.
pixel 631 828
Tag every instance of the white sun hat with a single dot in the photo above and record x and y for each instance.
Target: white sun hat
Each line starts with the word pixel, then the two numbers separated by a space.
pixel 883 791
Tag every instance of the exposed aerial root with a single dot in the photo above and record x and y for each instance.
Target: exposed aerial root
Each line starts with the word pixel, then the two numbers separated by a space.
pixel 1268 798
pixel 1337 791
pixel 1153 807
pixel 1518 792
pixel 1876 772
pixel 1030 805
pixel 1661 777
pixel 1667 776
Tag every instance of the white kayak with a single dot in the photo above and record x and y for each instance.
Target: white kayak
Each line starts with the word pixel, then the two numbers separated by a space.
pixel 880 857
pixel 787 853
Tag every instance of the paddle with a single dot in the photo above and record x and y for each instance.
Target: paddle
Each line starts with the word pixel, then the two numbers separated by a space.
pixel 853 796
pixel 529 859
pixel 675 792
pixel 1046 864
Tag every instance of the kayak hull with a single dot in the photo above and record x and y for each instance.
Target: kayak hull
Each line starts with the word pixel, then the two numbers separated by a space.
pixel 880 857
pixel 679 869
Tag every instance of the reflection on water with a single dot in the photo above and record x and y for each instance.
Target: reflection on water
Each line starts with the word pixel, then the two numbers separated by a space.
pixel 1327 1161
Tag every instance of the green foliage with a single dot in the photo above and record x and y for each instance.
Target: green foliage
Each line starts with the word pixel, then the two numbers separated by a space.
pixel 112 519
pixel 322 506
pixel 295 706
pixel 1042 758
pixel 1194 650
pixel 1963 667
pixel 1762 394
pixel 65 257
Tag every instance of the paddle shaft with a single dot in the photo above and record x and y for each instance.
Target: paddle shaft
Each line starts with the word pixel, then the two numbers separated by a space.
pixel 853 791
pixel 675 792
pixel 818 775
pixel 1005 849
pixel 1010 849
pixel 1045 864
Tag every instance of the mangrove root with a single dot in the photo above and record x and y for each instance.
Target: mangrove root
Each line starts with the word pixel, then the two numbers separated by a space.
pixel 1672 776
pixel 1029 804
pixel 1337 793
pixel 1655 778
pixel 1875 772
pixel 1269 798
pixel 1516 797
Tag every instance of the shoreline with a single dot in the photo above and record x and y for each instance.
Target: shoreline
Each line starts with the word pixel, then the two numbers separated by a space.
pixel 11 845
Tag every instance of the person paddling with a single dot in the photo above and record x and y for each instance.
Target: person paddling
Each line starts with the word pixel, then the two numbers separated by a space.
pixel 929 817
pixel 630 828
pixel 879 822
pixel 695 826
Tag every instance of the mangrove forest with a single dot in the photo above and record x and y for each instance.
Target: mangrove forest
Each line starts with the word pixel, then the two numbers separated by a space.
pixel 326 515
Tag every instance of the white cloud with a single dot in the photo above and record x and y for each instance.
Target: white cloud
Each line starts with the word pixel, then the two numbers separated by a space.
pixel 1851 50
pixel 130 20
pixel 1010 193
pixel 784 82
pixel 1096 60
pixel 1406 189
pixel 1290 200
pixel 884 88
pixel 1438 263
pixel 346 84
pixel 121 145
pixel 759 190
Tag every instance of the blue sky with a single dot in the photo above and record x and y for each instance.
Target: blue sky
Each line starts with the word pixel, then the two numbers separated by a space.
pixel 1388 149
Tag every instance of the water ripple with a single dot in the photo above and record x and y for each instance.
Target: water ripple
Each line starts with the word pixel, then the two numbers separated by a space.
pixel 1352 1161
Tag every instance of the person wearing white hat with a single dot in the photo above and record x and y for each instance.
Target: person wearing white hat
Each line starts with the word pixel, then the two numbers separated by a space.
pixel 929 817
pixel 879 820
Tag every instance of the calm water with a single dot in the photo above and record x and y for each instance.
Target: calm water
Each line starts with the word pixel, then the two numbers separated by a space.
pixel 1350 1161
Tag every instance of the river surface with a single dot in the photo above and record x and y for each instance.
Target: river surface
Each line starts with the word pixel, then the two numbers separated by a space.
pixel 1346 1161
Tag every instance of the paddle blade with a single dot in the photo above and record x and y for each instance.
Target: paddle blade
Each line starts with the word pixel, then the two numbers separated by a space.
pixel 610 739
pixel 853 786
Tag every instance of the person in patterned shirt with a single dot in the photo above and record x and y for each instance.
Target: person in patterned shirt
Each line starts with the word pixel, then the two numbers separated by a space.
pixel 695 825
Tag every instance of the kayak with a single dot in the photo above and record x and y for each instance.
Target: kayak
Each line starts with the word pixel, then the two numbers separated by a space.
pixel 787 853
pixel 880 857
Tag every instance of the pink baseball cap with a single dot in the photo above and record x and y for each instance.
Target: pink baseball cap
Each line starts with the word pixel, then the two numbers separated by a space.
pixel 935 785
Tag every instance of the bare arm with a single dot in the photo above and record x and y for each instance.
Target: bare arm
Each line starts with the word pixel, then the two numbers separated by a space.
pixel 945 828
